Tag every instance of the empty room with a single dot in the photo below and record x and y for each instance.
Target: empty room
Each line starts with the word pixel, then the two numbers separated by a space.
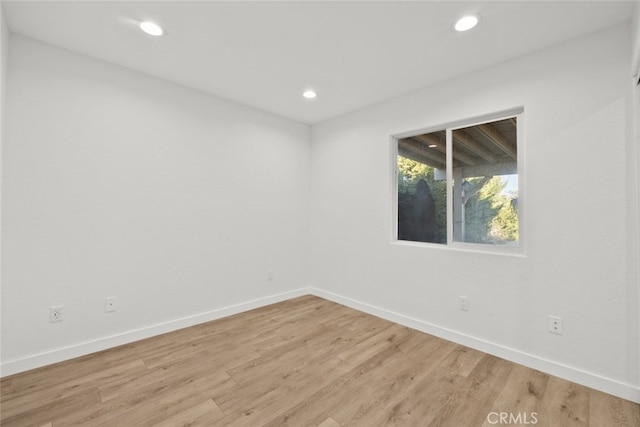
pixel 320 213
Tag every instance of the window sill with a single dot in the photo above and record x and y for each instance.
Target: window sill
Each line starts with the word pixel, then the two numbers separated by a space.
pixel 511 251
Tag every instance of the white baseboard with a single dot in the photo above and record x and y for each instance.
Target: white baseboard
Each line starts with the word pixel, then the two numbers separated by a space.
pixel 606 385
pixel 65 353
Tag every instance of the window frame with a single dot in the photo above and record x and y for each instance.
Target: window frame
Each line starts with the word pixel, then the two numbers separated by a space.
pixel 450 127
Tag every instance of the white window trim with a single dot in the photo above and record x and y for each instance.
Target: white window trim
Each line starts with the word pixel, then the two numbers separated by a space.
pixel 520 250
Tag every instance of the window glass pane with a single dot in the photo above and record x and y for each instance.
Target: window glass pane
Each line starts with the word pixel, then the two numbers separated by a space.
pixel 422 188
pixel 485 183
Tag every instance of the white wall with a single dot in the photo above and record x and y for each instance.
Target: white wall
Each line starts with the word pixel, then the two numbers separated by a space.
pixel 118 184
pixel 575 138
pixel 633 197
pixel 635 40
pixel 4 52
pixel 176 202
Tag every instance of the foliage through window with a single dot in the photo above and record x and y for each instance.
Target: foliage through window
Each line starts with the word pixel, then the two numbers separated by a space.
pixel 460 185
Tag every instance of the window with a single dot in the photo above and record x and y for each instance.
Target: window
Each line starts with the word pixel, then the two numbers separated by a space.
pixel 459 185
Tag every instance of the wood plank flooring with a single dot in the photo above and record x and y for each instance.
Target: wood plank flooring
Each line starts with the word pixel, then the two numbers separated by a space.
pixel 302 362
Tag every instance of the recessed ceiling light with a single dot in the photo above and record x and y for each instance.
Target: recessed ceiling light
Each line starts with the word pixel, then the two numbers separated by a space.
pixel 466 23
pixel 433 145
pixel 309 94
pixel 151 28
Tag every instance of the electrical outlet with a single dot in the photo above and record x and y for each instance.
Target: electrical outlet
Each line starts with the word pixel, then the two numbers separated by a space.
pixel 270 274
pixel 463 303
pixel 555 325
pixel 55 314
pixel 110 304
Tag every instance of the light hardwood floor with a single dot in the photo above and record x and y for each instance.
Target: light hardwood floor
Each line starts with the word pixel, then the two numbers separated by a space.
pixel 302 362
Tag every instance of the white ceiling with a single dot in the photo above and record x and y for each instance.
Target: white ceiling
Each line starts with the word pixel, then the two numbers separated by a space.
pixel 264 54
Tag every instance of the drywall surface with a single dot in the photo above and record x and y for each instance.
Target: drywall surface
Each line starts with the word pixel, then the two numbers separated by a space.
pixel 633 190
pixel 574 179
pixel 119 184
pixel 4 52
pixel 635 41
